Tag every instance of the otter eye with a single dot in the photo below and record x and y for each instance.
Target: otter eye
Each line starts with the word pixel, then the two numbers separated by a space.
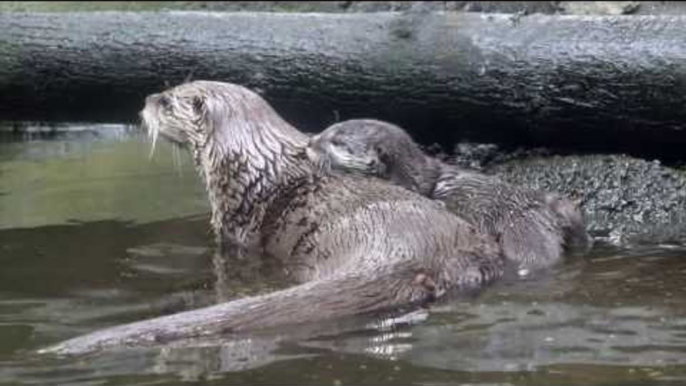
pixel 338 143
pixel 165 103
pixel 198 105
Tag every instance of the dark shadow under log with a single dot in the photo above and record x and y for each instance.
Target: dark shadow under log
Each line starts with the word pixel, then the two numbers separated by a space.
pixel 600 83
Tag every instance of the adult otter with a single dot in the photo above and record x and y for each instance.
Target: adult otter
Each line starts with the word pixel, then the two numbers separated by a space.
pixel 356 244
pixel 533 227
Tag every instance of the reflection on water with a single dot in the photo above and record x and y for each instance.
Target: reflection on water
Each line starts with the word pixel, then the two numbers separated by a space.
pixel 87 178
pixel 93 234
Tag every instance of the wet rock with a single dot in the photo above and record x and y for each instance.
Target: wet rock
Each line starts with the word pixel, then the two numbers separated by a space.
pixel 625 199
pixel 481 156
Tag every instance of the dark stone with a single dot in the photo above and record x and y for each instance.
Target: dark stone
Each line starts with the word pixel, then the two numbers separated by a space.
pixel 626 199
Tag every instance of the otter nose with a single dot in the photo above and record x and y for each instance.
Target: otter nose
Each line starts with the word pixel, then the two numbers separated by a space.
pixel 160 100
pixel 153 98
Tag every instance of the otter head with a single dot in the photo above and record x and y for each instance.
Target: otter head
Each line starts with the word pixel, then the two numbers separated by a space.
pixel 178 115
pixel 242 148
pixel 219 119
pixel 375 148
pixel 356 145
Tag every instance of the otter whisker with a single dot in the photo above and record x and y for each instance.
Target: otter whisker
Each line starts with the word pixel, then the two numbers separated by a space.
pixel 189 77
pixel 153 134
pixel 177 160
pixel 152 147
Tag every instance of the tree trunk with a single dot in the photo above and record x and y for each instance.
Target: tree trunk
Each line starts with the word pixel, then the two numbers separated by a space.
pixel 587 82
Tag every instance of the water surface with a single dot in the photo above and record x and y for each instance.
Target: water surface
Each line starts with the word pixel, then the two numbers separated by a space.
pixel 93 233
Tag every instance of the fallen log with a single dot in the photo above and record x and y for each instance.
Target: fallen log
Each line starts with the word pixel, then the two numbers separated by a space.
pixel 601 83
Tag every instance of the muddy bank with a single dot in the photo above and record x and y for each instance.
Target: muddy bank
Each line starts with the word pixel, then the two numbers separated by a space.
pixel 626 199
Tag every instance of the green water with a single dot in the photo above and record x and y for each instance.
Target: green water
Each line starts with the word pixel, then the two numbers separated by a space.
pixel 93 233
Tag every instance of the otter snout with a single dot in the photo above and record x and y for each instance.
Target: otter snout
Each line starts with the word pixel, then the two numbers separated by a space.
pixel 316 155
pixel 312 155
pixel 157 100
pixel 313 149
pixel 314 140
pixel 153 99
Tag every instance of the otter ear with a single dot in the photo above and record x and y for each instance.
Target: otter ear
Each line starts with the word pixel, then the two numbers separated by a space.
pixel 198 105
pixel 212 112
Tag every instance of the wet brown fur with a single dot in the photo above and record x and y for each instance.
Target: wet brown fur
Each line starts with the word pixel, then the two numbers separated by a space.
pixel 355 244
pixel 534 228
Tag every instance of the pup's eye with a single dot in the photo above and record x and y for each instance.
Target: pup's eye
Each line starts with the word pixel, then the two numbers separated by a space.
pixel 339 143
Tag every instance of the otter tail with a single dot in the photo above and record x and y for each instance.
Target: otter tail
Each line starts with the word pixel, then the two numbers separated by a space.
pixel 357 292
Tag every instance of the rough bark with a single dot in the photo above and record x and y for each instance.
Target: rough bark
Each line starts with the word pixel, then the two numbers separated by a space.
pixel 587 82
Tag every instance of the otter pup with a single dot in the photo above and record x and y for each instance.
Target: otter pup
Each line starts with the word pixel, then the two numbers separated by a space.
pixel 533 227
pixel 355 244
